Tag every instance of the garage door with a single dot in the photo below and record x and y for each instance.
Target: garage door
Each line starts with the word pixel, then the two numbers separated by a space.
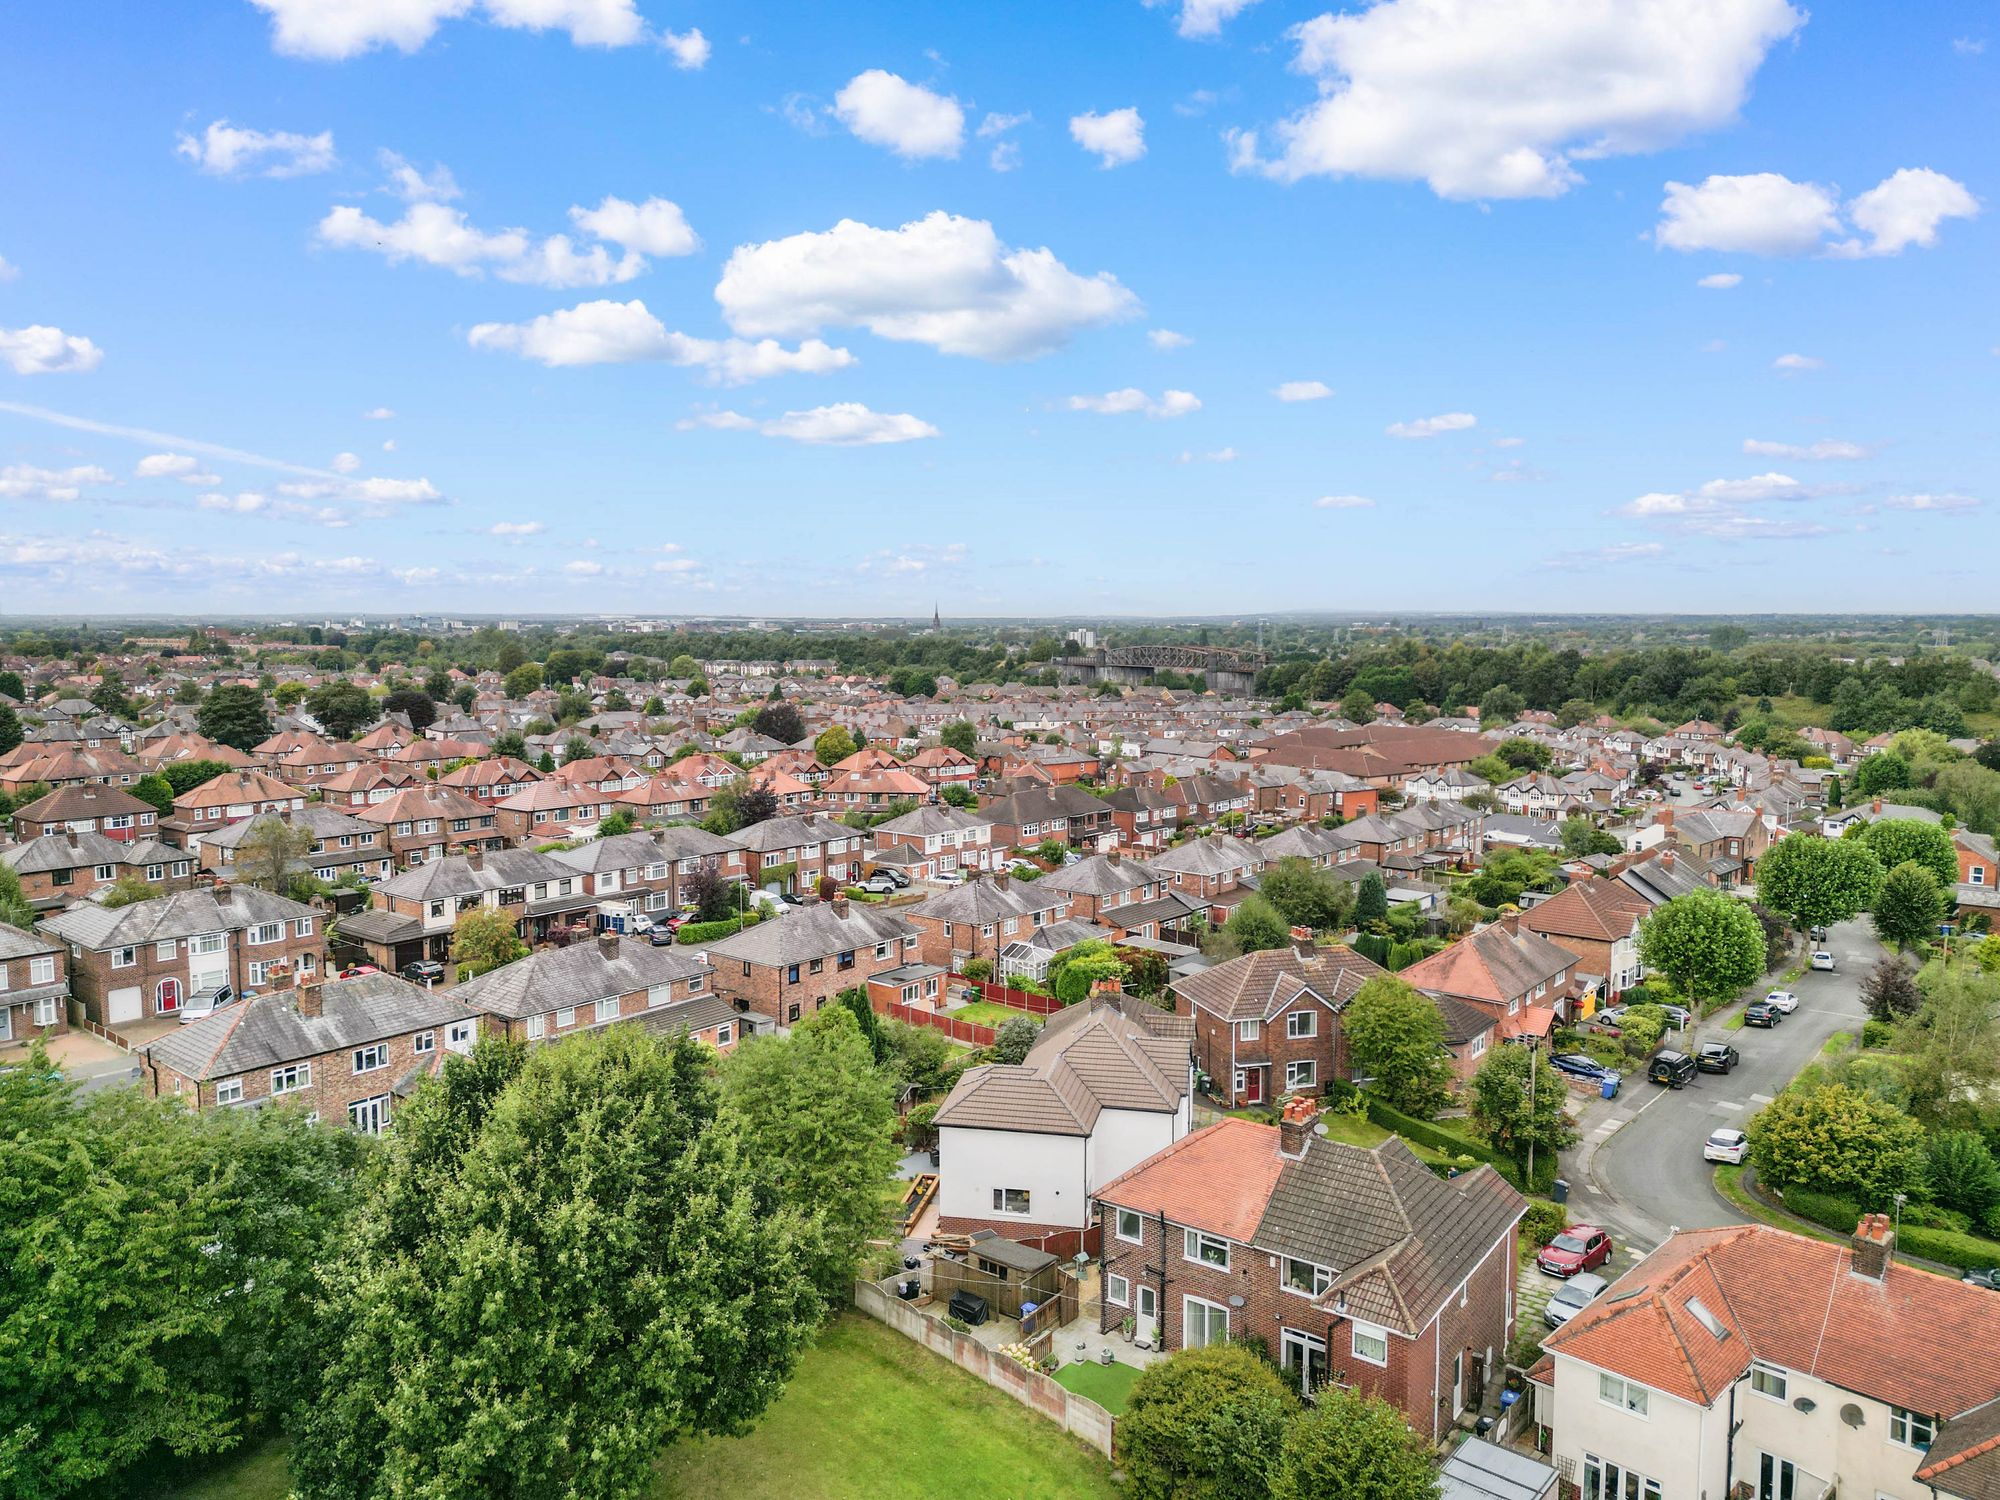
pixel 124 1005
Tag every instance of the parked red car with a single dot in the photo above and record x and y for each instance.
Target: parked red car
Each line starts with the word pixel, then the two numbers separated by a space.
pixel 1581 1247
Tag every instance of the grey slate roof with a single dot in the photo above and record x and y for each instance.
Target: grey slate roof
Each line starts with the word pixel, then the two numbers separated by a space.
pixel 1089 1058
pixel 1256 986
pixel 980 901
pixel 810 932
pixel 626 851
pixel 1219 854
pixel 1098 875
pixel 455 875
pixel 179 915
pixel 14 943
pixel 577 975
pixel 267 1030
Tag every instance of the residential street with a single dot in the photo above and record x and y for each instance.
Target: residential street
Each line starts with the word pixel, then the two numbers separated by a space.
pixel 1639 1169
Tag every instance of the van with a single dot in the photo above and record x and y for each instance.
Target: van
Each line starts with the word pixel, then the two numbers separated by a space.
pixel 1674 1069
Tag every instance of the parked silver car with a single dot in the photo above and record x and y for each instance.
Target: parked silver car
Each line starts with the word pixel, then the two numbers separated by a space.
pixel 1572 1297
pixel 205 1002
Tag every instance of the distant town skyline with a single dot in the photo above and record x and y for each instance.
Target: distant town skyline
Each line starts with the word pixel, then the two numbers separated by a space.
pixel 1185 309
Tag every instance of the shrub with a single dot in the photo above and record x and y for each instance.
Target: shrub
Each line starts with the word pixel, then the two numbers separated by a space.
pixel 1877 1033
pixel 1962 1172
pixel 1543 1222
pixel 695 933
pixel 978 969
pixel 1205 1424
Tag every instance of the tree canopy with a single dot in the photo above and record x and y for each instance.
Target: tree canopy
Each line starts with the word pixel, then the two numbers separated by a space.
pixel 1815 882
pixel 1205 1424
pixel 1910 905
pixel 1709 944
pixel 235 715
pixel 1840 1140
pixel 1512 1113
pixel 1352 1446
pixel 341 709
pixel 484 938
pixel 1896 840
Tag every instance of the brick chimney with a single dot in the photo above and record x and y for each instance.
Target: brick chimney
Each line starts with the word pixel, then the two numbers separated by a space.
pixel 70 834
pixel 1113 857
pixel 1664 817
pixel 1109 987
pixel 1303 945
pixel 221 892
pixel 1666 859
pixel 1876 807
pixel 1874 1245
pixel 307 999
pixel 475 855
pixel 1295 1128
pixel 840 905
pixel 278 976
pixel 1003 877
pixel 607 942
pixel 1511 924
pixel 1742 794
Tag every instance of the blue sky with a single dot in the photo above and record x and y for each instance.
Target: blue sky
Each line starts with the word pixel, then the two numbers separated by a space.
pixel 857 308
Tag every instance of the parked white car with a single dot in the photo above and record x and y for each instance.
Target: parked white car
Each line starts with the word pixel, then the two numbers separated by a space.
pixel 1822 959
pixel 1783 1000
pixel 1726 1145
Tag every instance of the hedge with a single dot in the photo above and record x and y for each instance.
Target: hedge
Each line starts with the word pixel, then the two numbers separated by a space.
pixel 1452 1143
pixel 709 932
pixel 1966 1252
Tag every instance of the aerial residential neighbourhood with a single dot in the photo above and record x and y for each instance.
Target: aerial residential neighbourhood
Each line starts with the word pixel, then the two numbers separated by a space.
pixel 1183 749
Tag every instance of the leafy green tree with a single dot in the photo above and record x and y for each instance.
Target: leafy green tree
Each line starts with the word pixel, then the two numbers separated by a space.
pixel 1840 1140
pixel 576 747
pixel 183 776
pixel 1962 1174
pixel 781 722
pixel 1306 897
pixel 270 850
pixel 511 743
pixel 1951 1047
pixel 615 822
pixel 684 666
pixel 1396 1036
pixel 154 788
pixel 235 715
pixel 1524 755
pixel 712 897
pixel 132 1213
pixel 1815 882
pixel 1910 905
pixel 1255 925
pixel 1352 1446
pixel 10 728
pixel 1897 840
pixel 1884 771
pixel 856 1001
pixel 126 890
pixel 11 686
pixel 1371 900
pixel 1890 991
pixel 509 657
pixel 484 938
pixel 523 680
pixel 1014 1038
pixel 814 1108
pixel 566 1263
pixel 1581 837
pixel 414 704
pixel 15 908
pixel 342 709
pixel 1709 944
pixel 1491 768
pixel 1205 1424
pixel 958 796
pixel 1073 973
pixel 833 746
pixel 960 735
pixel 1574 711
pixel 1501 705
pixel 1515 1111
pixel 1358 706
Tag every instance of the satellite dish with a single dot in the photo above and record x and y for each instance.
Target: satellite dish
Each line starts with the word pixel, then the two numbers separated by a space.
pixel 1852 1415
pixel 1804 1403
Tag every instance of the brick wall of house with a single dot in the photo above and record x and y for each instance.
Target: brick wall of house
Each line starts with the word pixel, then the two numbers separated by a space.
pixel 92 976
pixel 335 1085
pixel 1969 860
pixel 20 1005
pixel 1327 1048
pixel 772 996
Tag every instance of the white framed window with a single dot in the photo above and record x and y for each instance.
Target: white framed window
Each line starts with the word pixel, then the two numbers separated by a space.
pixel 291 1078
pixel 1624 1394
pixel 424 1043
pixel 267 932
pixel 374 1055
pixel 537 1027
pixel 1605 1480
pixel 1208 1249
pixel 206 942
pixel 124 958
pixel 1302 1073
pixel 106 872
pixel 256 971
pixel 1010 1200
pixel 1131 1226
pixel 1371 1345
pixel 1203 1323
pixel 1249 1031
pixel 302 927
pixel 229 1091
pixel 1767 1380
pixel 694 984
pixel 607 1008
pixel 42 970
pixel 1911 1429
pixel 1302 1023
pixel 1303 1277
pixel 45 1011
pixel 1118 1291
pixel 460 1035
pixel 659 994
pixel 566 1016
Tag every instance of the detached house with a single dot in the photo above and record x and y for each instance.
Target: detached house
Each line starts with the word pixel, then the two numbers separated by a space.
pixel 1025 1148
pixel 1747 1360
pixel 1356 1267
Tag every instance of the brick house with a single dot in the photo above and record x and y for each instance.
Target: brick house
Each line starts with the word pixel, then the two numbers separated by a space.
pixel 1142 816
pixel 341 843
pixel 932 838
pixel 60 868
pixel 34 986
pixel 558 991
pixel 1210 871
pixel 1104 884
pixel 1598 921
pixel 414 912
pixel 344 1050
pixel 1521 979
pixel 1268 1023
pixel 813 846
pixel 229 798
pixel 88 809
pixel 786 968
pixel 491 780
pixel 551 810
pixel 664 799
pixel 648 872
pixel 1383 755
pixel 136 962
pixel 1357 1267
pixel 427 822
pixel 1978 887
pixel 366 785
pixel 981 917
pixel 1068 814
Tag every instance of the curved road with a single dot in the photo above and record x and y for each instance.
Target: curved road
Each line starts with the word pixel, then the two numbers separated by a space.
pixel 1649 1177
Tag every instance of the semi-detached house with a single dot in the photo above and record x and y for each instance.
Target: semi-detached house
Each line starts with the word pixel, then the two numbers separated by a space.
pixel 34 989
pixel 789 967
pixel 556 992
pixel 415 912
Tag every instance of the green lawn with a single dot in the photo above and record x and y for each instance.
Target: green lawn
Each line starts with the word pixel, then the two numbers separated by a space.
pixel 873 1416
pixel 1107 1385
pixel 986 1013
pixel 256 1474
pixel 1836 1044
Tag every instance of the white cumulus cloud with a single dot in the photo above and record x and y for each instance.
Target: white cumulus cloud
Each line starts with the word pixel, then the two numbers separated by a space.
pixel 655 227
pixel 439 235
pixel 329 30
pixel 1131 399
pixel 1424 427
pixel 1720 281
pixel 27 482
pixel 1166 338
pixel 689 49
pixel 1114 138
pixel 1906 208
pixel 847 424
pixel 414 186
pixel 1343 502
pixel 1766 213
pixel 1499 98
pixel 612 333
pixel 1204 18
pixel 1303 390
pixel 885 109
pixel 41 350
pixel 226 150
pixel 941 280
pixel 1796 364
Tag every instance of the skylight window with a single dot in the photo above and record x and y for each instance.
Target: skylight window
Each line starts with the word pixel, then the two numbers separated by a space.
pixel 1707 1319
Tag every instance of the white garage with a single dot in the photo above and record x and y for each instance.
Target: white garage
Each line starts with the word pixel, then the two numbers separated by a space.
pixel 123 1005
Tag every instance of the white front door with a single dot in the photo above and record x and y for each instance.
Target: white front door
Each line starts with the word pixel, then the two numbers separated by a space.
pixel 123 1005
pixel 1146 1314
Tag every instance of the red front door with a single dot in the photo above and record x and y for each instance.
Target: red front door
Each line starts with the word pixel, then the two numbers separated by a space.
pixel 1253 1085
pixel 169 999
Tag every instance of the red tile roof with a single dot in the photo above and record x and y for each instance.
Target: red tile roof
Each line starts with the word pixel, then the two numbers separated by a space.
pixel 1219 1178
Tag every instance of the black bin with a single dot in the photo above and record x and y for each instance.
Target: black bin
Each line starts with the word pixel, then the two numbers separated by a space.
pixel 968 1307
pixel 1559 1190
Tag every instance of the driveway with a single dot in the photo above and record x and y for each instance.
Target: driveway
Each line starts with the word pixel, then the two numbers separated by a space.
pixel 1646 1177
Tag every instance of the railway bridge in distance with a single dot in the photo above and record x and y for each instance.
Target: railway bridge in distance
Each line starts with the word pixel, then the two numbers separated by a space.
pixel 1226 671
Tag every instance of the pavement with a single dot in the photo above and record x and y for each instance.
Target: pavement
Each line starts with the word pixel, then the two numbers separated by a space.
pixel 1638 1169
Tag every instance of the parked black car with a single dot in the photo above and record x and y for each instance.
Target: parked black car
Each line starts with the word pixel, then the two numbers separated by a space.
pixel 1674 1069
pixel 423 971
pixel 1717 1057
pixel 1581 1065
pixel 1762 1013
